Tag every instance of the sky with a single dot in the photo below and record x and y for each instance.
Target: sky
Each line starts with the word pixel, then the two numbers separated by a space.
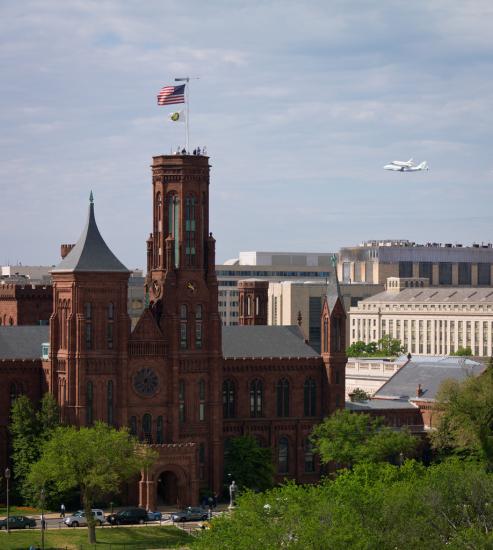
pixel 300 104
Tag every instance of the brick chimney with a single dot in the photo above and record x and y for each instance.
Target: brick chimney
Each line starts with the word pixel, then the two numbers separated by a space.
pixel 419 391
pixel 65 249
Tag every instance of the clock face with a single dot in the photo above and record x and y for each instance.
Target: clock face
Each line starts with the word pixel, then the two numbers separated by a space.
pixel 156 287
pixel 145 381
pixel 191 287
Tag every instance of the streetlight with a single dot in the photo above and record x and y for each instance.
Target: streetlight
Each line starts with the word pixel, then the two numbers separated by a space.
pixel 7 477
pixel 42 518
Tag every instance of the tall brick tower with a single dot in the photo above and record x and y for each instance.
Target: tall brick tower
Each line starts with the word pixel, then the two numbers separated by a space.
pixel 89 329
pixel 182 288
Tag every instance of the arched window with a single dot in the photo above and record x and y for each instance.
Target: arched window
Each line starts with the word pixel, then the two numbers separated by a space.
pixel 88 322
pixel 181 400
pixel 228 399
pixel 133 425
pixel 174 224
pixel 110 315
pixel 282 397
pixel 147 427
pixel 190 228
pixel 335 334
pixel 109 401
pixel 89 403
pixel 326 335
pixel 283 456
pixel 159 430
pixel 309 457
pixel 15 390
pixel 310 397
pixel 201 400
pixel 198 327
pixel 158 206
pixel 256 398
pixel 183 327
pixel 11 321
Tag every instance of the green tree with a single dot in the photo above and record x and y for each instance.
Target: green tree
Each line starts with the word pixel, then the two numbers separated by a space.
pixel 249 464
pixel 359 394
pixel 29 429
pixel 465 423
pixel 357 349
pixel 96 460
pixel 389 346
pixel 373 506
pixel 348 438
pixel 25 439
pixel 372 348
pixel 463 352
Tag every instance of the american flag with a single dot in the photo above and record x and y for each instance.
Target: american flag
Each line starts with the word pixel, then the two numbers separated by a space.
pixel 171 94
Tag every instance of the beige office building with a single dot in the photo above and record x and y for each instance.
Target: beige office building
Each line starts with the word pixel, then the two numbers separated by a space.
pixel 300 302
pixel 268 266
pixel 427 320
pixel 442 264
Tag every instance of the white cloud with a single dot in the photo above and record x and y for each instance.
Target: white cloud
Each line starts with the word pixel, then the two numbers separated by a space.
pixel 300 104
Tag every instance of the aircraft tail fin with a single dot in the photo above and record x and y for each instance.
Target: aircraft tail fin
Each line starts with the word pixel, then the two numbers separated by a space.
pixel 423 165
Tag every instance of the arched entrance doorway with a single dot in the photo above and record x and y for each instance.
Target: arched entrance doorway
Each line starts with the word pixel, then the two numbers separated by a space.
pixel 167 489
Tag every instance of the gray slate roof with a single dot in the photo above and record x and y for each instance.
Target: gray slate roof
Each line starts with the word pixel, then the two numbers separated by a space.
pixel 265 341
pixel 450 295
pixel 378 405
pixel 430 374
pixel 90 253
pixel 22 342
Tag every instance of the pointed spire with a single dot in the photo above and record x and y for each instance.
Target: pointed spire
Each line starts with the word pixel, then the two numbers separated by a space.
pixel 334 265
pixel 91 253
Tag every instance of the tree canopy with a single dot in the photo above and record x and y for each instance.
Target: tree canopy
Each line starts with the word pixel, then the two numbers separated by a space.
pixel 465 422
pixel 96 460
pixel 463 352
pixel 373 506
pixel 385 347
pixel 30 428
pixel 248 464
pixel 347 438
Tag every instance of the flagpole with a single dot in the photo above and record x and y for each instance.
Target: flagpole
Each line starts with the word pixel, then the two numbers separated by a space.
pixel 187 103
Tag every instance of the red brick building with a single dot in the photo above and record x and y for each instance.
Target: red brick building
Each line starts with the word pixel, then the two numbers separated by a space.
pixel 25 304
pixel 180 381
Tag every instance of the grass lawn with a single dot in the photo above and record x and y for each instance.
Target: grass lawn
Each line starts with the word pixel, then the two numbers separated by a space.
pixel 108 538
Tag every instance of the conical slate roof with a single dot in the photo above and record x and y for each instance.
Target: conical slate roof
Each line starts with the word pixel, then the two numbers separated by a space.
pixel 333 291
pixel 90 253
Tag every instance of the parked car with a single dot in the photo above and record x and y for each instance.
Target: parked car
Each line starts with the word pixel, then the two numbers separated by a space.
pixel 128 516
pixel 79 518
pixel 18 522
pixel 154 516
pixel 190 514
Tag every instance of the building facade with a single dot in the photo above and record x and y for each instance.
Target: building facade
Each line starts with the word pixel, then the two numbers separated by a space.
pixel 267 266
pixel 298 302
pixel 370 375
pixel 25 304
pixel 427 320
pixel 442 264
pixel 179 380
